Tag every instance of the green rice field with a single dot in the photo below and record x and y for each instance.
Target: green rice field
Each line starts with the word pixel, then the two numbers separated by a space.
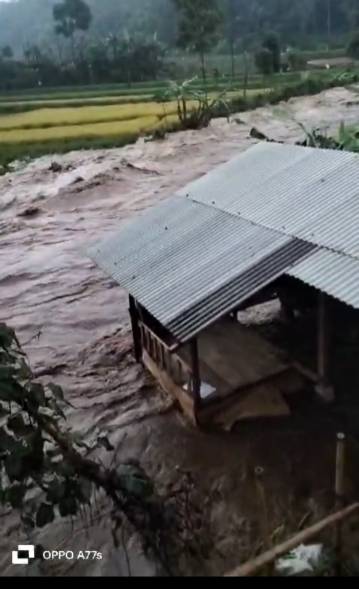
pixel 64 116
pixel 44 121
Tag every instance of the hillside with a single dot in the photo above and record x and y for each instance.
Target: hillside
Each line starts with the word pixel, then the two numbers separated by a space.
pixel 307 23
pixel 24 22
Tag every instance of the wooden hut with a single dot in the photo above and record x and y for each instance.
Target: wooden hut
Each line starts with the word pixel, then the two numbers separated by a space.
pixel 275 215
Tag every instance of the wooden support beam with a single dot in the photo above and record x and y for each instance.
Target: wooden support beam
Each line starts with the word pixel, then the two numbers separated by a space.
pixel 167 364
pixel 156 351
pixel 324 388
pixel 180 373
pixel 136 332
pixel 323 341
pixel 253 567
pixel 339 500
pixel 162 358
pixel 196 375
pixel 142 333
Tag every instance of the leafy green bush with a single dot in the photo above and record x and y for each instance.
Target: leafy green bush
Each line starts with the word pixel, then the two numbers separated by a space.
pixel 264 61
pixel 353 46
pixel 296 61
pixel 271 42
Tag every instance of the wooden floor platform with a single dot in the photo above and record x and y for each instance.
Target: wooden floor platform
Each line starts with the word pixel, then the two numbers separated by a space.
pixel 243 376
pixel 234 357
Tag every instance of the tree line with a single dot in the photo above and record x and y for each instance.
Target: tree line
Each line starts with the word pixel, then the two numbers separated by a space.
pixel 85 42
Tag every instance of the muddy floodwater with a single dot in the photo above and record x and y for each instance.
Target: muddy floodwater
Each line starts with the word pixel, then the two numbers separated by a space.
pixel 73 323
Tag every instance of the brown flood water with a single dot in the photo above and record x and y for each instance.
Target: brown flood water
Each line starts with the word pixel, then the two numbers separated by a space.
pixel 74 326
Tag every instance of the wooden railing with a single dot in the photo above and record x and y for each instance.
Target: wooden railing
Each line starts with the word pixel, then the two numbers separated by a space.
pixel 176 368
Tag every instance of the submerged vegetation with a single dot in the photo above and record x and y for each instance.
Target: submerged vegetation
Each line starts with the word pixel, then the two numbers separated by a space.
pixel 347 138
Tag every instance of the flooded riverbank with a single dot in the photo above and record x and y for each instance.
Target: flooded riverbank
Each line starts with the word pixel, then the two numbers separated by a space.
pixel 73 323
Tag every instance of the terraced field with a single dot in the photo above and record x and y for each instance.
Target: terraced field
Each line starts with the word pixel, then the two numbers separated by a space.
pixel 62 117
pixel 106 117
pixel 34 104
pixel 47 121
pixel 119 128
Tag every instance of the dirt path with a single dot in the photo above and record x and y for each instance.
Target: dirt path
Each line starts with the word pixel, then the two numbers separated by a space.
pixel 73 323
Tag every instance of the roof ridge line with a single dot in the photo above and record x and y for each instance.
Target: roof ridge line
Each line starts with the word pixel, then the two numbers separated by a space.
pixel 276 231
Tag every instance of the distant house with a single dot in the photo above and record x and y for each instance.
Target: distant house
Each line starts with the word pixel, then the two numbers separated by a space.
pixel 272 216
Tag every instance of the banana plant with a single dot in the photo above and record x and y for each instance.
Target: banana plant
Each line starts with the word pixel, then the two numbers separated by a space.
pixel 195 108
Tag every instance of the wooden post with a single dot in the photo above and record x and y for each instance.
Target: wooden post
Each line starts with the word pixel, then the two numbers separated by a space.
pixel 263 508
pixel 339 501
pixel 196 376
pixel 180 373
pixel 323 344
pixel 163 358
pixel 156 351
pixel 136 332
pixel 324 389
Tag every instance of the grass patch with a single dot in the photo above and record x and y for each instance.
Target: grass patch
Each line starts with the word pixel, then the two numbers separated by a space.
pixel 22 106
pixel 67 117
pixel 27 151
pixel 19 106
pixel 136 91
pixel 140 126
pixel 94 114
pixel 24 102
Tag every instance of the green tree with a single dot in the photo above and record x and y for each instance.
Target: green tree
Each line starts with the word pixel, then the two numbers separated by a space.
pixel 7 52
pixel 231 19
pixel 113 44
pixel 71 16
pixel 271 43
pixel 353 46
pixel 351 10
pixel 198 26
pixel 33 56
pixel 98 61
pixel 329 20
pixel 264 61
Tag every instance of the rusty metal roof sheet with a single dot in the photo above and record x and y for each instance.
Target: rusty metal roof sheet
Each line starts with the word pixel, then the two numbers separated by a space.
pixel 270 211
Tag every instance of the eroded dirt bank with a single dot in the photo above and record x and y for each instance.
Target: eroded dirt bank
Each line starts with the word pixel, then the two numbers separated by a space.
pixel 73 324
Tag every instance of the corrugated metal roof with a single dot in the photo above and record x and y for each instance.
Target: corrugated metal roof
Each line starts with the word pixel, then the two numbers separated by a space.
pixel 182 256
pixel 231 295
pixel 285 188
pixel 338 229
pixel 333 273
pixel 196 256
